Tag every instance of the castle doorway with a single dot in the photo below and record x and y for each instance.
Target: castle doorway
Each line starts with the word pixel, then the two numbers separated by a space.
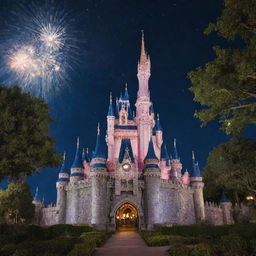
pixel 127 217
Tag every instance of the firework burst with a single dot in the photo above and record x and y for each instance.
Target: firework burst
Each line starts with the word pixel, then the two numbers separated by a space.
pixel 39 50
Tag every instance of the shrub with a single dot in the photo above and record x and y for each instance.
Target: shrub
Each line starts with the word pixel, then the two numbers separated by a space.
pixel 179 250
pixel 158 240
pixel 83 249
pixel 252 247
pixel 203 231
pixel 98 237
pixel 7 249
pixel 231 245
pixel 68 230
pixel 200 250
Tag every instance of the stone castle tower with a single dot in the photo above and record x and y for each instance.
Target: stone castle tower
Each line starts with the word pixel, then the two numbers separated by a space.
pixel 130 179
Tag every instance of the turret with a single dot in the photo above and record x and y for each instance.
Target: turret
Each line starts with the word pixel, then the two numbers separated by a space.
pixel 61 184
pixel 99 176
pixel 176 165
pixel 226 206
pixel 144 117
pixel 77 172
pixel 63 173
pixel 110 130
pixel 196 182
pixel 152 187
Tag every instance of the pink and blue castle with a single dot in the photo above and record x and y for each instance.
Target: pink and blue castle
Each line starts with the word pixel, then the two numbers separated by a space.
pixel 130 179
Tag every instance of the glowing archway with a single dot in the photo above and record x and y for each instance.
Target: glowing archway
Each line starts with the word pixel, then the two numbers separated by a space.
pixel 127 216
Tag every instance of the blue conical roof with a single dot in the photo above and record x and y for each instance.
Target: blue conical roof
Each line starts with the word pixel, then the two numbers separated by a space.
pixel 151 152
pixel 196 170
pixel 158 125
pixel 224 198
pixel 77 163
pixel 175 152
pixel 36 197
pixel 126 94
pixel 110 108
pixel 100 147
pixel 63 166
pixel 164 154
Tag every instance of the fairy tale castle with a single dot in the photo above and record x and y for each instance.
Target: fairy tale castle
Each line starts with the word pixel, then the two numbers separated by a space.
pixel 130 180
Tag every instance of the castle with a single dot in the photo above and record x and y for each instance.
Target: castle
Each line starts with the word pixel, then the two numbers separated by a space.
pixel 130 179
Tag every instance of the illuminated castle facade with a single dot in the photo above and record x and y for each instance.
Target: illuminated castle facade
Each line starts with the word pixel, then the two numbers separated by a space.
pixel 130 179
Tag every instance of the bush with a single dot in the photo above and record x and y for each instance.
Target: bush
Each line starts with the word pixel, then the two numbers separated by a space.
pixel 231 245
pixel 203 231
pixel 200 250
pixel 7 249
pixel 83 249
pixel 158 240
pixel 252 247
pixel 179 250
pixel 98 237
pixel 68 230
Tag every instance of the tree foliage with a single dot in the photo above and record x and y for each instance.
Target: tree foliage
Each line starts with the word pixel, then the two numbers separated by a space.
pixel 25 146
pixel 231 167
pixel 226 87
pixel 16 203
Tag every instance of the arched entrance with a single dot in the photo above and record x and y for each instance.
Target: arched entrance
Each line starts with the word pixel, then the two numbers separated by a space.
pixel 127 216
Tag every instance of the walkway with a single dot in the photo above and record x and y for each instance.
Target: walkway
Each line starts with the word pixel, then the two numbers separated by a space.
pixel 129 242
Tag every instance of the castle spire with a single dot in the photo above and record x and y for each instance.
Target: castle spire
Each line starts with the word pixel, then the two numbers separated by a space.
pixel 100 149
pixel 77 163
pixel 126 95
pixel 158 124
pixel 175 152
pixel 110 108
pixel 36 197
pixel 143 74
pixel 143 54
pixel 151 151
pixel 196 169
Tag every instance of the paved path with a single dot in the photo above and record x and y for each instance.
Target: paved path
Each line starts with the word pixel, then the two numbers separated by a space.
pixel 129 242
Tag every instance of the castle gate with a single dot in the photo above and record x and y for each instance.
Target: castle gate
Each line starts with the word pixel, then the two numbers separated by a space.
pixel 127 216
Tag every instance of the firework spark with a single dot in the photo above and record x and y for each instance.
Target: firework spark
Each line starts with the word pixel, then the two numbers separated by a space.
pixel 39 50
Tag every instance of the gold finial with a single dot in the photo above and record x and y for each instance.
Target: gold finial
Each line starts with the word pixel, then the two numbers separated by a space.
pixel 77 142
pixel 98 129
pixel 64 156
pixel 157 116
pixel 174 143
pixel 110 98
pixel 87 150
pixel 193 155
pixel 126 86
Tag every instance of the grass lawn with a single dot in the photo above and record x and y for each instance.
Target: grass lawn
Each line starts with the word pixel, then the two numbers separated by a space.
pixel 56 240
pixel 205 240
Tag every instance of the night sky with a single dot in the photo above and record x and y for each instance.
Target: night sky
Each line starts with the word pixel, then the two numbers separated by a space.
pixel 109 47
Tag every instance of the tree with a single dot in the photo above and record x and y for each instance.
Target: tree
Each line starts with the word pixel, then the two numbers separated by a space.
pixel 231 167
pixel 226 87
pixel 25 146
pixel 16 203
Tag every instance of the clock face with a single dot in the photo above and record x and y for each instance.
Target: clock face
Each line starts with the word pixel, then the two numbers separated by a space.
pixel 126 167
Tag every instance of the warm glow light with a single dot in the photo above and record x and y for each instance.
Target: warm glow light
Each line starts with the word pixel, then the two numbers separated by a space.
pixel 249 198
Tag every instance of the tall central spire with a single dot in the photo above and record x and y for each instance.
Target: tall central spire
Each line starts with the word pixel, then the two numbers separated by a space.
pixel 144 67
pixel 143 54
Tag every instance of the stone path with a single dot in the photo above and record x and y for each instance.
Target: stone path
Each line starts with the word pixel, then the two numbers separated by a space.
pixel 129 242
